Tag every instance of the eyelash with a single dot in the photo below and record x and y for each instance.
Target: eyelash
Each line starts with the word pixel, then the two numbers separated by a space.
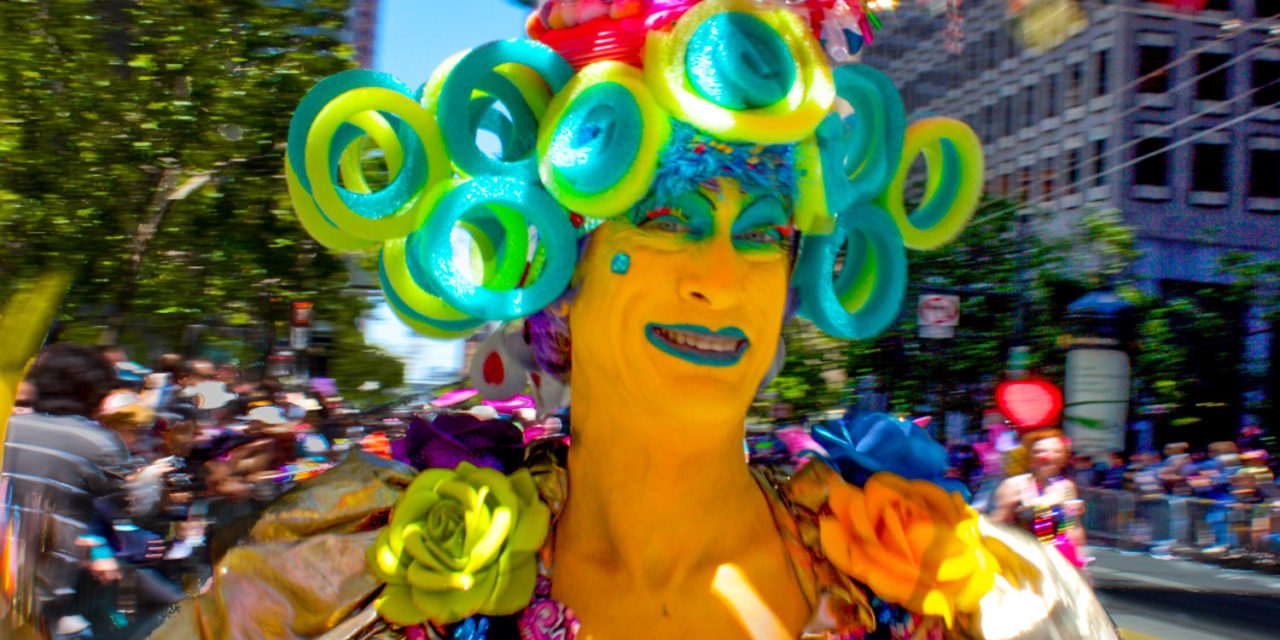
pixel 765 235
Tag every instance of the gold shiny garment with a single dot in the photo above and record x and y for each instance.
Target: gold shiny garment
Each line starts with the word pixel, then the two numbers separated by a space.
pixel 301 569
pixel 300 572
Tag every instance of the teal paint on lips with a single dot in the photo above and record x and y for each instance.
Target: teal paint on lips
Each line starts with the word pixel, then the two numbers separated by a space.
pixel 696 356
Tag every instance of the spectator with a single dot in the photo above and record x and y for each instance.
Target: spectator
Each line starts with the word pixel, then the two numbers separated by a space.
pixel 58 462
pixel 1113 474
pixel 1173 474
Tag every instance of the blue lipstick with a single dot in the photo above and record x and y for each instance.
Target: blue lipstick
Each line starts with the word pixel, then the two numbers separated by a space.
pixel 698 344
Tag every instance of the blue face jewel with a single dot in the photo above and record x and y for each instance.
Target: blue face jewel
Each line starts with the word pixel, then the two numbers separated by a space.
pixel 621 262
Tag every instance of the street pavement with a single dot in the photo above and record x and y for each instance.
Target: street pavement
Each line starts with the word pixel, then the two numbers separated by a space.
pixel 1177 599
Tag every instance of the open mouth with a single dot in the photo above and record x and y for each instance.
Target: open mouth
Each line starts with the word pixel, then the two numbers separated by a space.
pixel 699 345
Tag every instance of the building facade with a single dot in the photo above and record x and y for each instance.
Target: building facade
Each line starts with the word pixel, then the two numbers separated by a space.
pixel 1168 117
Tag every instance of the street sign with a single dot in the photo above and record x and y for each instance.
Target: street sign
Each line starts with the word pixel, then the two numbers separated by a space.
pixel 937 315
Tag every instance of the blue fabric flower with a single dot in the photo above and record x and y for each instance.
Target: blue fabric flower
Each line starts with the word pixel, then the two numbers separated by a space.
pixel 871 442
pixel 473 628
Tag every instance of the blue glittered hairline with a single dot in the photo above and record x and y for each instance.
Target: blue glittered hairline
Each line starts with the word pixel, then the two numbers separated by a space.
pixel 692 157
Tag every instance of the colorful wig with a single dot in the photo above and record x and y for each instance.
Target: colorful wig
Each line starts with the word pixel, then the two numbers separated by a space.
pixel 612 107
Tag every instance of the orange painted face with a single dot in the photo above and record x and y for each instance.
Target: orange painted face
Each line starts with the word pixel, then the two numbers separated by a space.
pixel 683 303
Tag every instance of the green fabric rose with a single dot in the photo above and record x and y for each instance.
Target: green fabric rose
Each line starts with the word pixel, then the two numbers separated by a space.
pixel 459 543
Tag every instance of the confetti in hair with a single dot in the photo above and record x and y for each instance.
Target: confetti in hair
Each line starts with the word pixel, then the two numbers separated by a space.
pixel 693 157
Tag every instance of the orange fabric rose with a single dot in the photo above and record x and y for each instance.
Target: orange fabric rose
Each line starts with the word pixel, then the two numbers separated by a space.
pixel 910 541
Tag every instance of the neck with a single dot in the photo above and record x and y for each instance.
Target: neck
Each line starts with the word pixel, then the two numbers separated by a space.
pixel 640 474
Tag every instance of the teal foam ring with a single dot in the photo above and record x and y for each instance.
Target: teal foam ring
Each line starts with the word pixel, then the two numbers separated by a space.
pixel 597 139
pixel 393 298
pixel 523 137
pixel 485 118
pixel 860 153
pixel 942 195
pixel 555 234
pixel 814 277
pixel 318 97
pixel 417 247
pixel 473 72
pixel 404 187
pixel 737 61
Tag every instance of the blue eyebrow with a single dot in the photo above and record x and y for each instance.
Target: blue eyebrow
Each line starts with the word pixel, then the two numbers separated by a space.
pixel 761 212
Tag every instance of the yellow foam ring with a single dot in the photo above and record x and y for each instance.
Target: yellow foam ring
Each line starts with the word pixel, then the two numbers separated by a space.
pixel 791 119
pixel 483 251
pixel 810 211
pixel 395 224
pixel 655 131
pixel 961 178
pixel 350 165
pixel 396 269
pixel 315 224
pixel 530 84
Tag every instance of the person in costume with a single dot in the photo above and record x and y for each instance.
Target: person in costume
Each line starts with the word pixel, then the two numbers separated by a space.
pixel 1038 496
pixel 693 172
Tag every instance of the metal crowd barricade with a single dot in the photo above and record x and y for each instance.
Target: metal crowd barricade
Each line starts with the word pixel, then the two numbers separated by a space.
pixel 1162 523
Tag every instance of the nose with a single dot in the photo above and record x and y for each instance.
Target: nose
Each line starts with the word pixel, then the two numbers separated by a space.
pixel 714 282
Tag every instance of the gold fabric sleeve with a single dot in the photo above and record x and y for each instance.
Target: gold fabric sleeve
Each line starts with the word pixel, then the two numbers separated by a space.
pixel 301 569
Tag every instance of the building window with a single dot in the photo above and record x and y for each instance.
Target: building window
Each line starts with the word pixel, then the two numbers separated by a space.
pixel 1266 82
pixel 1153 68
pixel 1010 125
pixel 988 119
pixel 1103 61
pixel 1051 94
pixel 1099 162
pixel 1029 107
pixel 1073 170
pixel 1208 167
pixel 1264 173
pixel 1211 68
pixel 1075 84
pixel 1152 162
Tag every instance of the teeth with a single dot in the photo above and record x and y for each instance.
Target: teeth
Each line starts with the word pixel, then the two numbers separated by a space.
pixel 703 342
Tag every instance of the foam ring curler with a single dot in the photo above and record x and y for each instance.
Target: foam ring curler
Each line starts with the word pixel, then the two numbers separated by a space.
pixel 860 152
pixel 790 119
pixel 537 207
pixel 599 144
pixel 412 301
pixel 875 287
pixel 318 97
pixel 491 225
pixel 953 156
pixel 811 214
pixel 737 61
pixel 466 76
pixel 395 211
pixel 367 125
pixel 316 225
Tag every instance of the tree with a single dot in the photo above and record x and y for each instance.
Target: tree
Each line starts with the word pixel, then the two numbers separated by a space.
pixel 141 147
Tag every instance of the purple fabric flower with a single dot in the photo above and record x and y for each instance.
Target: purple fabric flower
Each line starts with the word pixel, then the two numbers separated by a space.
pixel 453 438
pixel 548 619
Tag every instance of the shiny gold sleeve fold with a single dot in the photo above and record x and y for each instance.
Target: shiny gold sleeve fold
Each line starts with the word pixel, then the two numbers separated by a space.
pixel 301 569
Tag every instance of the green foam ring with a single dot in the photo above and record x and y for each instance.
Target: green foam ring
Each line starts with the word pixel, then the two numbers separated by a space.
pixel 474 72
pixel 737 61
pixel 860 152
pixel 315 224
pixel 875 287
pixel 953 157
pixel 499 232
pixel 421 311
pixel 536 207
pixel 395 211
pixel 599 142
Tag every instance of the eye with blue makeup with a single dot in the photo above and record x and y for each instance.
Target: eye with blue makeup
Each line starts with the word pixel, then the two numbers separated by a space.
pixel 689 213
pixel 762 224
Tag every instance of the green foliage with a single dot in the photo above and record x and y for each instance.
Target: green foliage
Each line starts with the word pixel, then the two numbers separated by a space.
pixel 143 147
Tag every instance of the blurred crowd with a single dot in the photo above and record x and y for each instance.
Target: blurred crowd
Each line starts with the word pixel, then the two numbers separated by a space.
pixel 121 481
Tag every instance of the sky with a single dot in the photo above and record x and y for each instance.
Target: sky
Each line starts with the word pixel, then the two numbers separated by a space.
pixel 413 37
